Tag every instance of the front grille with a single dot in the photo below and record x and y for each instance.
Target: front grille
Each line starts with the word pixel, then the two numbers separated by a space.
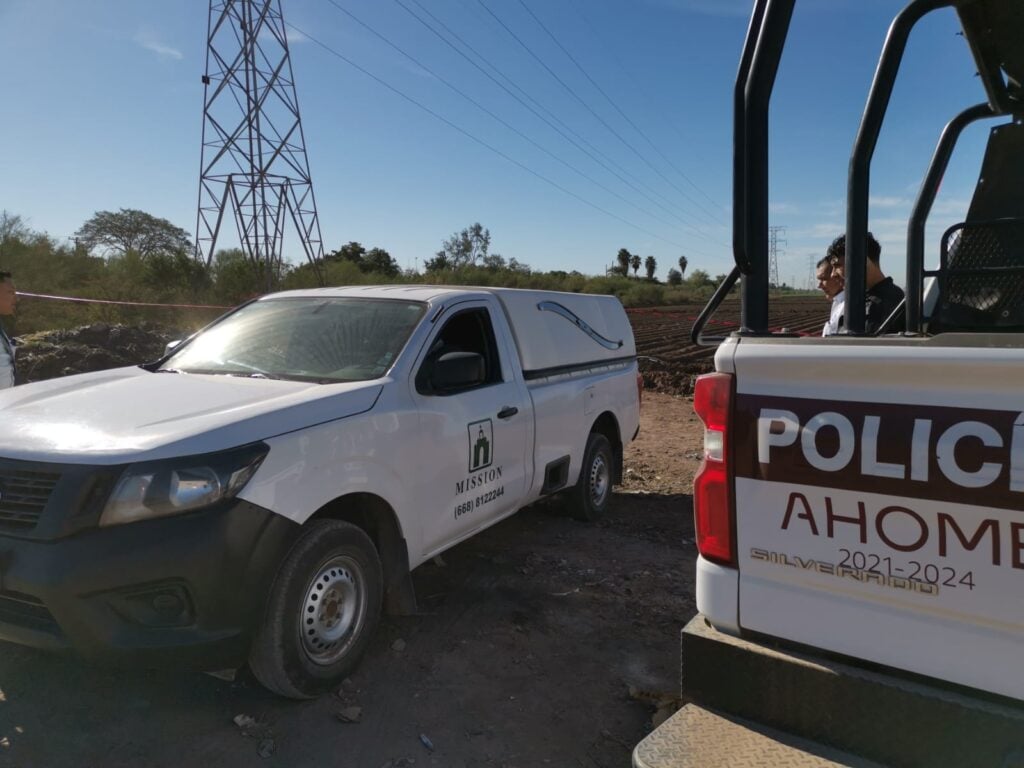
pixel 26 611
pixel 23 496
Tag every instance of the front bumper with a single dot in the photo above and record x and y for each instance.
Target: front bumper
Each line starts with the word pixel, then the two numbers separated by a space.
pixel 187 589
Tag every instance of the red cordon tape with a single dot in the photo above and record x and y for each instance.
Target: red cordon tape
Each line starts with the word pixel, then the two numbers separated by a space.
pixel 119 303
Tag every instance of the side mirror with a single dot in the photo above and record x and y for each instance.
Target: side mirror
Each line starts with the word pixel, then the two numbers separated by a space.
pixel 171 346
pixel 457 370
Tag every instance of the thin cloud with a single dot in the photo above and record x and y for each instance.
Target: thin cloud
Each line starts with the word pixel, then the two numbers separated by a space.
pixel 783 207
pixel 291 35
pixel 822 230
pixel 888 202
pixel 150 43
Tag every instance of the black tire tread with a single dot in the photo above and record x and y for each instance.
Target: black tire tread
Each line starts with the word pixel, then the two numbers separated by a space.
pixel 267 654
pixel 579 496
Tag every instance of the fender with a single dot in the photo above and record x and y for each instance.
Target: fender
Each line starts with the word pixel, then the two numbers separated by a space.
pixel 308 469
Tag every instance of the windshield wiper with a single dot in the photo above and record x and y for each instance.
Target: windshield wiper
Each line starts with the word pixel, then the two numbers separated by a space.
pixel 248 375
pixel 168 370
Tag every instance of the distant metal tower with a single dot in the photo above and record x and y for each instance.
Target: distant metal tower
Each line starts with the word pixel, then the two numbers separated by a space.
pixel 253 160
pixel 773 253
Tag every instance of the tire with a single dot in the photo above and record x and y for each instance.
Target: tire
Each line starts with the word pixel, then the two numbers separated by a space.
pixel 322 611
pixel 589 499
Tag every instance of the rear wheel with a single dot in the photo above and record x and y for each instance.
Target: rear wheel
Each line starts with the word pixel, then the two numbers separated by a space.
pixel 589 499
pixel 322 611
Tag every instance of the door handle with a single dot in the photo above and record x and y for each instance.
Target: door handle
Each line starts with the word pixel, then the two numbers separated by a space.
pixel 507 412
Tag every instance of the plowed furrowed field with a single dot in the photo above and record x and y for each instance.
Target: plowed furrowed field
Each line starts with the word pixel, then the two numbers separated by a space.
pixel 669 360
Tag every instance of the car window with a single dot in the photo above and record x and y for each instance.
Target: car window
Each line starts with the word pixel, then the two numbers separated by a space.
pixel 468 331
pixel 314 339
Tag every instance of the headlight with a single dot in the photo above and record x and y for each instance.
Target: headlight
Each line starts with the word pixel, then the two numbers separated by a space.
pixel 171 487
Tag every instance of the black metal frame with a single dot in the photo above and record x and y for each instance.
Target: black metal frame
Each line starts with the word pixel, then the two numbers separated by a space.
pixel 922 207
pixel 762 51
pixel 864 149
pixel 945 269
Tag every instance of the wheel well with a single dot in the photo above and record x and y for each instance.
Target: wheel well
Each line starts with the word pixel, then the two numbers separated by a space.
pixel 608 426
pixel 376 517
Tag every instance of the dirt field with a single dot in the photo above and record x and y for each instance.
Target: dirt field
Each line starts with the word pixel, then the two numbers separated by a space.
pixel 668 359
pixel 527 642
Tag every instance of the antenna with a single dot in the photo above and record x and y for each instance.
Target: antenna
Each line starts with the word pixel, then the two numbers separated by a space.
pixel 253 160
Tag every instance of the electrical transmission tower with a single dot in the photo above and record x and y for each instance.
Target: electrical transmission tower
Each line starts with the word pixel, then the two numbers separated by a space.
pixel 253 166
pixel 774 241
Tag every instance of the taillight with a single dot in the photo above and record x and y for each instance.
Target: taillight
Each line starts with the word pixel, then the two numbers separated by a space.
pixel 639 388
pixel 712 487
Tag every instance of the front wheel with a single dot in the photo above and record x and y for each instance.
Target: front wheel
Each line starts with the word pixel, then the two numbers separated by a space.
pixel 322 611
pixel 589 499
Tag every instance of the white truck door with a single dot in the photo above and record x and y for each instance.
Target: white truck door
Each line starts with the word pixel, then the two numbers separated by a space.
pixel 473 469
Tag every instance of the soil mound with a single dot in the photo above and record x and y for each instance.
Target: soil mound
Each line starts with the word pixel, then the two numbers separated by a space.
pixel 49 354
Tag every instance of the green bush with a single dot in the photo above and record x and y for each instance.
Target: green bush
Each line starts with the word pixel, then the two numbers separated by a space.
pixel 41 265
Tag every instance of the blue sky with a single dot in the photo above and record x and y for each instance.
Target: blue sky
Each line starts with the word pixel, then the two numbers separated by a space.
pixel 104 105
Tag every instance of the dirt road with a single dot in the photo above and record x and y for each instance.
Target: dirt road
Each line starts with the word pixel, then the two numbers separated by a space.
pixel 528 639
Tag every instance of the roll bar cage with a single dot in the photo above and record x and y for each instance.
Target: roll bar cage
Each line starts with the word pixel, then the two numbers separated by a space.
pixel 755 80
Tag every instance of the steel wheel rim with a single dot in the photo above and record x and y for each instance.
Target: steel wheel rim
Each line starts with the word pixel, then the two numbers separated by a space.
pixel 333 610
pixel 599 480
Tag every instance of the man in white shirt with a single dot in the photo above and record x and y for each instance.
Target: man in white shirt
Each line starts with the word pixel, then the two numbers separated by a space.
pixel 7 304
pixel 831 284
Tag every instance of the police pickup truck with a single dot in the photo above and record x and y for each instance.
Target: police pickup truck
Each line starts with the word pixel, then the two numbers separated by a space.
pixel 858 512
pixel 264 490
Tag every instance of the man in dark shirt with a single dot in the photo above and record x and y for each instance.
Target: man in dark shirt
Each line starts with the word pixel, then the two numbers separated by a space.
pixel 883 296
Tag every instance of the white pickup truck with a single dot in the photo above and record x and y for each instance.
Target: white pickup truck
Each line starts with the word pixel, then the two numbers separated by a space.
pixel 858 514
pixel 265 488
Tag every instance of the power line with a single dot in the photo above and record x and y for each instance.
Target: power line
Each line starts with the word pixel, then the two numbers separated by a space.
pixel 625 117
pixel 581 101
pixel 484 109
pixel 563 133
pixel 609 50
pixel 487 111
pixel 479 141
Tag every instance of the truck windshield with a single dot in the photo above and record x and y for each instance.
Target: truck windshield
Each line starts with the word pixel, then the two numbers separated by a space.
pixel 306 339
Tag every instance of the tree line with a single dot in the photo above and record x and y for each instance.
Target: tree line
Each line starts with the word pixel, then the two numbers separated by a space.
pixel 131 255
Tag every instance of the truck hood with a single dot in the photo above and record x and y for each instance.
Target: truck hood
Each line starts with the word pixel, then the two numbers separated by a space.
pixel 129 414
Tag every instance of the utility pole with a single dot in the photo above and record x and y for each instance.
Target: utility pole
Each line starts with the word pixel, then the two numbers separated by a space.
pixel 253 165
pixel 774 241
pixel 811 272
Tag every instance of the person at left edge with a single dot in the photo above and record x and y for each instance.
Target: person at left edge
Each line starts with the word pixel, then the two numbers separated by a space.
pixel 8 300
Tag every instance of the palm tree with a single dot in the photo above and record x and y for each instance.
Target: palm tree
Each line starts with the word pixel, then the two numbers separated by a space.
pixel 650 266
pixel 682 265
pixel 624 258
pixel 634 262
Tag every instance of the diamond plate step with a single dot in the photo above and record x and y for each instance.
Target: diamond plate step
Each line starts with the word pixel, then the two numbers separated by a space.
pixel 896 720
pixel 700 738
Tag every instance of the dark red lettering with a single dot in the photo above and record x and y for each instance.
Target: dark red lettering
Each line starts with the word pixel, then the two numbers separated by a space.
pixel 860 521
pixel 972 543
pixel 1017 544
pixel 880 527
pixel 805 515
